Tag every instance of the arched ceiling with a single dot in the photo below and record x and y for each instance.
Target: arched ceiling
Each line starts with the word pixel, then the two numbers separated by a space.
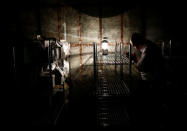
pixel 96 8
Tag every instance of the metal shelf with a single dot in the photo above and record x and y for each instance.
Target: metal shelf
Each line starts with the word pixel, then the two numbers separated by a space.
pixel 112 59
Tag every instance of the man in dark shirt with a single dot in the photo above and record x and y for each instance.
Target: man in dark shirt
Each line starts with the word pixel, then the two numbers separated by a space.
pixel 150 64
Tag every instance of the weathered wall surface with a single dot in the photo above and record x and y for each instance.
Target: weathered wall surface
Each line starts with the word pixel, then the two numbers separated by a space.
pixel 49 22
pixel 80 28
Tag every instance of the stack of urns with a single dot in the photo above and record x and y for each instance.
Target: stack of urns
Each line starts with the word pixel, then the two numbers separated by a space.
pixel 60 63
pixel 65 53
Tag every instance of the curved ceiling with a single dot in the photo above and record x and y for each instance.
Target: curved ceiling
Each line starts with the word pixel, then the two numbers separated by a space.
pixel 96 8
pixel 101 11
pixel 101 8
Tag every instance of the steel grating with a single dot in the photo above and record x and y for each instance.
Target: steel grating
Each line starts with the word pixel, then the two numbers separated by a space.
pixel 110 93
pixel 110 87
pixel 112 59
pixel 111 114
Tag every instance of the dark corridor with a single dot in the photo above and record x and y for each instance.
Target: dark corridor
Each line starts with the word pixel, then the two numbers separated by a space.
pixel 71 65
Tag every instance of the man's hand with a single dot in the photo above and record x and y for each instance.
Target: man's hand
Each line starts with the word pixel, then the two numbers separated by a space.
pixel 133 57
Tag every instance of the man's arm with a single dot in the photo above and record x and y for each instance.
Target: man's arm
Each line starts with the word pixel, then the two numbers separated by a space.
pixel 140 62
pixel 133 57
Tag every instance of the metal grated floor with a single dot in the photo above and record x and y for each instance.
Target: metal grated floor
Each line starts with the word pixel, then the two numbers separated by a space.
pixel 112 59
pixel 110 92
pixel 109 115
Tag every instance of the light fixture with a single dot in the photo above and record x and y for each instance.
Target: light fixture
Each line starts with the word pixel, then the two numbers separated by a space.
pixel 104 46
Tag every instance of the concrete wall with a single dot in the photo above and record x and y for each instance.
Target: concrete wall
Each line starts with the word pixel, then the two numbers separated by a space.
pixel 132 23
pixel 89 28
pixel 28 23
pixel 155 23
pixel 137 19
pixel 49 23
pixel 89 24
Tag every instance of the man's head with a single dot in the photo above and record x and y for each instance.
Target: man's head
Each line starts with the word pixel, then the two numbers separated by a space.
pixel 137 39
